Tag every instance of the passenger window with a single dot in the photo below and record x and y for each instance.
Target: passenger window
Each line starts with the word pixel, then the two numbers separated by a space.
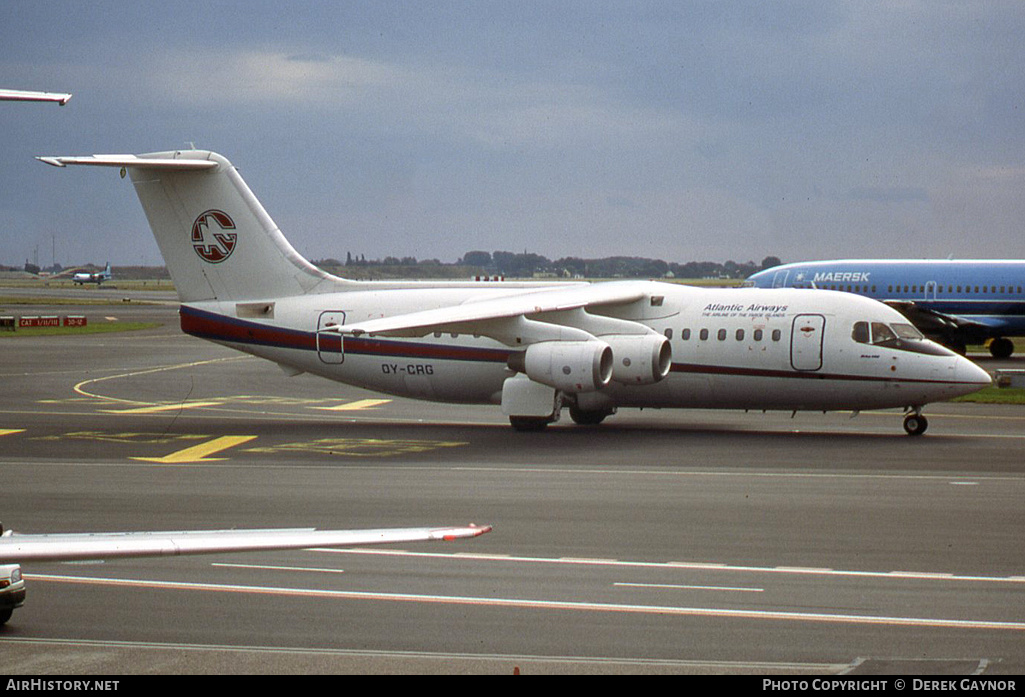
pixel 704 335
pixel 721 335
pixel 669 333
pixel 776 334
pixel 758 335
pixel 860 332
pixel 685 334
pixel 740 335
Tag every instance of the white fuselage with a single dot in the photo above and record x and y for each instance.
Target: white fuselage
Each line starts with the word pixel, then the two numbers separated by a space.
pixel 731 348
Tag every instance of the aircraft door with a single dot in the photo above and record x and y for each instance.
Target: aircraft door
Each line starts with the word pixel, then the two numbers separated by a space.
pixel 779 279
pixel 330 345
pixel 930 290
pixel 806 342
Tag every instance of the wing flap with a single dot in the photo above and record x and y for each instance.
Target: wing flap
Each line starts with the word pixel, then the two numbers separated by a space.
pixel 931 321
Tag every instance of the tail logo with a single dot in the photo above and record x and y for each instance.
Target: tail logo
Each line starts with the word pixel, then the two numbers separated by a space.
pixel 214 242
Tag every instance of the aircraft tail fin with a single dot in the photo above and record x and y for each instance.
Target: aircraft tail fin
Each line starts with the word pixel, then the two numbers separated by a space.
pixel 216 238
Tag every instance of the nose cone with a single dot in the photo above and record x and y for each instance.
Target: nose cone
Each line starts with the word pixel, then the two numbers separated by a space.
pixel 971 376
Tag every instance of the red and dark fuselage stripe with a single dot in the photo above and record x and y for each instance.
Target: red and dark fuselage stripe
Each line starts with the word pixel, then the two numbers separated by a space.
pixel 215 327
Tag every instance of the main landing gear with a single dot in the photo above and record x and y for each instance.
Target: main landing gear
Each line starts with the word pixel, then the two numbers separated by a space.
pixel 1001 348
pixel 914 423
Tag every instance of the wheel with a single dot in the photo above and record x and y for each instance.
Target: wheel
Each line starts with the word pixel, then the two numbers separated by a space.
pixel 587 418
pixel 5 615
pixel 529 423
pixel 915 424
pixel 1001 348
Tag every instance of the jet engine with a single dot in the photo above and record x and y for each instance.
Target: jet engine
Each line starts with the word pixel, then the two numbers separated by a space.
pixel 640 359
pixel 570 366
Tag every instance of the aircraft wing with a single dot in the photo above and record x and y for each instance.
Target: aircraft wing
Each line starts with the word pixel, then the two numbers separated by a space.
pixel 19 548
pixel 26 96
pixel 930 321
pixel 480 316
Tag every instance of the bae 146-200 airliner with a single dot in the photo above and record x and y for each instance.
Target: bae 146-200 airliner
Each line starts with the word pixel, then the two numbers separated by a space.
pixel 954 302
pixel 533 348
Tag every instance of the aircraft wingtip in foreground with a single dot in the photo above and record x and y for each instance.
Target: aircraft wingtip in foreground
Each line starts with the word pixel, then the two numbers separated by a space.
pixel 60 98
pixel 19 548
pixel 533 348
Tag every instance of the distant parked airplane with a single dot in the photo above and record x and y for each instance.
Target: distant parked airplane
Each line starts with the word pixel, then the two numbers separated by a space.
pixel 953 302
pixel 97 278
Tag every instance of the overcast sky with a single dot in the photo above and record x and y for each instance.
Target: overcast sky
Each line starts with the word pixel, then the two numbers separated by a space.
pixel 679 130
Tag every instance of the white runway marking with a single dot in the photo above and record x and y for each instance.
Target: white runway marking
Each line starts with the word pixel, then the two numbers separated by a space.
pixel 268 567
pixel 697 566
pixel 674 586
pixel 536 604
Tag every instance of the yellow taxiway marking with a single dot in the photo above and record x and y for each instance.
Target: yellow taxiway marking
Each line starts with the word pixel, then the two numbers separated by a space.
pixel 10 431
pixel 357 405
pixel 125 437
pixel 360 447
pixel 157 408
pixel 199 453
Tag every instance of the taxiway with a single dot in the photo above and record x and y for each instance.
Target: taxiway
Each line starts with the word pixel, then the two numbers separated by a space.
pixel 661 541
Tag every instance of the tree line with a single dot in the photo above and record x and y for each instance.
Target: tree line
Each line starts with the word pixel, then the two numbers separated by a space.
pixel 528 264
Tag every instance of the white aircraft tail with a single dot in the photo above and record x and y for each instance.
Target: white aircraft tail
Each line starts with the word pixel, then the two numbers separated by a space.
pixel 217 240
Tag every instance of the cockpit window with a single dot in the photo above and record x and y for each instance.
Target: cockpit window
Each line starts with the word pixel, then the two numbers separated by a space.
pixel 882 334
pixel 907 331
pixel 899 335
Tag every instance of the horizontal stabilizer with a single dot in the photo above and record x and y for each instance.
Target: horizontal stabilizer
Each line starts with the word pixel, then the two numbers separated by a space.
pixel 131 161
pixel 29 96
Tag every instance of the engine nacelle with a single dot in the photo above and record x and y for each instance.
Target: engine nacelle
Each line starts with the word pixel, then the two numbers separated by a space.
pixel 642 359
pixel 570 366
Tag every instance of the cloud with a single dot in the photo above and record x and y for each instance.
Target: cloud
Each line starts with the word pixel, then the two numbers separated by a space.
pixel 491 108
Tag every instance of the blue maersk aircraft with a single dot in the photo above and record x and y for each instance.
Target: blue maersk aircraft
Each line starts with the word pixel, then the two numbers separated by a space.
pixel 953 302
